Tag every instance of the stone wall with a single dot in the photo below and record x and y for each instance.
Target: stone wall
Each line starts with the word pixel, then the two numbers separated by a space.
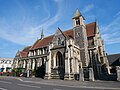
pixel 81 41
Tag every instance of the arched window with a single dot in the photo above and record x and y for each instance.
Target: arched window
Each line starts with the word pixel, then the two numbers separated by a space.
pixel 59 61
pixel 78 22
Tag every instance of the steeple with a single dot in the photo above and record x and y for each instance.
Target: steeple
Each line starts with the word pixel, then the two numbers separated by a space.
pixel 77 13
pixel 80 37
pixel 78 19
pixel 42 34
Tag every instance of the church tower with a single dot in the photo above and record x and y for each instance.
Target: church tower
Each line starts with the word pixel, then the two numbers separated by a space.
pixel 78 19
pixel 81 37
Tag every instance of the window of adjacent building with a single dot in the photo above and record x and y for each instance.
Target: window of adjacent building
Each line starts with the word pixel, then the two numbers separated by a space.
pixel 2 61
pixel 6 61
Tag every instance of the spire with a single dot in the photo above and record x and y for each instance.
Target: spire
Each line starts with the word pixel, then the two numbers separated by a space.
pixel 42 34
pixel 78 14
pixel 78 19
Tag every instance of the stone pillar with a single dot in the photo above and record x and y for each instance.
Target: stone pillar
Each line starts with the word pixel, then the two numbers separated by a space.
pixel 30 63
pixel 91 74
pixel 34 53
pixel 43 51
pixel 33 64
pixel 81 75
pixel 67 69
pixel 48 68
pixel 24 64
pixel 73 65
pixel 17 64
pixel 118 72
pixel 48 65
pixel 27 64
pixel 28 73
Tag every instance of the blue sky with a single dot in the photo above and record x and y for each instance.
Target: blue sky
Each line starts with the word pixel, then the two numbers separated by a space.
pixel 21 21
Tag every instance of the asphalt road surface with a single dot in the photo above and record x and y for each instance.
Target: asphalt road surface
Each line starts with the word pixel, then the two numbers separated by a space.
pixel 16 84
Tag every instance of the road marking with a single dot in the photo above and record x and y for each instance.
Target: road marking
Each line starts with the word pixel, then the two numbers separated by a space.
pixel 28 85
pixel 72 86
pixel 75 86
pixel 20 79
pixel 3 89
pixel 6 82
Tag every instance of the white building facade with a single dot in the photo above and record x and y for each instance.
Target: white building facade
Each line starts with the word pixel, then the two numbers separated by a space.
pixel 6 64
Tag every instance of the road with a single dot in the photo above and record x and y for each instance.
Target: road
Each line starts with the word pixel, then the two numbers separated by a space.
pixel 19 84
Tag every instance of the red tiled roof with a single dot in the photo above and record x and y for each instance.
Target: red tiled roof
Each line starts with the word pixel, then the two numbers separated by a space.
pixel 42 43
pixel 23 54
pixel 45 41
pixel 90 29
pixel 69 33
pixel 26 49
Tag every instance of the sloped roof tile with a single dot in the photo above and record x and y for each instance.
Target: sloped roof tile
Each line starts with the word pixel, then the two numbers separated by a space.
pixel 42 43
pixel 24 52
pixel 90 29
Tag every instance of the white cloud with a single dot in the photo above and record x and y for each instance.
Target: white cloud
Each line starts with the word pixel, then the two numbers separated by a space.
pixel 111 38
pixel 51 21
pixel 87 12
pixel 111 32
pixel 117 14
pixel 25 34
pixel 88 8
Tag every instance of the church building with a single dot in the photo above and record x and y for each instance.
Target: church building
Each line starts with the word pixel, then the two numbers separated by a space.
pixel 72 54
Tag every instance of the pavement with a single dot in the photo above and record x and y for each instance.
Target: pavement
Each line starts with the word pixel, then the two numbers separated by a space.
pixel 54 84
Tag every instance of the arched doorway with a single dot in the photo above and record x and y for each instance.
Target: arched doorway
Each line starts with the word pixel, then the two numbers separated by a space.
pixel 59 61
pixel 60 64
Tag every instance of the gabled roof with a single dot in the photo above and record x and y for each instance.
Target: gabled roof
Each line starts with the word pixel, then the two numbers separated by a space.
pixel 24 52
pixel 42 43
pixel 69 33
pixel 90 29
pixel 26 49
pixel 114 59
